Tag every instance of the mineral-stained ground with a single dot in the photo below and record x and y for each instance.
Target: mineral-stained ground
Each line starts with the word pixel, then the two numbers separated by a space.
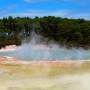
pixel 44 75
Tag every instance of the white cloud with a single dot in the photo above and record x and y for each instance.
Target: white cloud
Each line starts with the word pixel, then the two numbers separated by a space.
pixel 59 13
pixel 40 13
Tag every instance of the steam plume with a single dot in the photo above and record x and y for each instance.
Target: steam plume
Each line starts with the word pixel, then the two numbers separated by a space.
pixel 37 49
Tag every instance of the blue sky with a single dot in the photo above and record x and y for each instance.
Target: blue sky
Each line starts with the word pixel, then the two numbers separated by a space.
pixel 32 8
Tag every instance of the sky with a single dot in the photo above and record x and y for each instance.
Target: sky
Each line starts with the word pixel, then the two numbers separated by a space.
pixel 32 8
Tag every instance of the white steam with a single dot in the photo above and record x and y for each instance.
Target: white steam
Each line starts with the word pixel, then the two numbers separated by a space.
pixel 37 49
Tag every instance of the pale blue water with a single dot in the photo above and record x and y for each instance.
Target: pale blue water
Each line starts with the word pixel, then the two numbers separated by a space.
pixel 36 49
pixel 38 52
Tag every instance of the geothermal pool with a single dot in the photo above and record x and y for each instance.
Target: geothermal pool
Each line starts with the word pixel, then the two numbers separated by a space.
pixel 37 49
pixel 45 52
pixel 45 75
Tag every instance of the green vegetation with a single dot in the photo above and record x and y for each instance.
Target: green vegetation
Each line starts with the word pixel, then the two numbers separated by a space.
pixel 68 32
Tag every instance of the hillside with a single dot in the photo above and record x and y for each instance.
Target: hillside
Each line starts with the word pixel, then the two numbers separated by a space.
pixel 64 31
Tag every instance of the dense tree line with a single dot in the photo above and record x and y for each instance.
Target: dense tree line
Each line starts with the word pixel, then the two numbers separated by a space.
pixel 64 31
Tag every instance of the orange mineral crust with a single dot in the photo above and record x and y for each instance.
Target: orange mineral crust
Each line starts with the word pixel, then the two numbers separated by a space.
pixel 42 64
pixel 58 63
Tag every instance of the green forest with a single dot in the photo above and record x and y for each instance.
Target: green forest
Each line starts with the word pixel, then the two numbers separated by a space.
pixel 64 31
